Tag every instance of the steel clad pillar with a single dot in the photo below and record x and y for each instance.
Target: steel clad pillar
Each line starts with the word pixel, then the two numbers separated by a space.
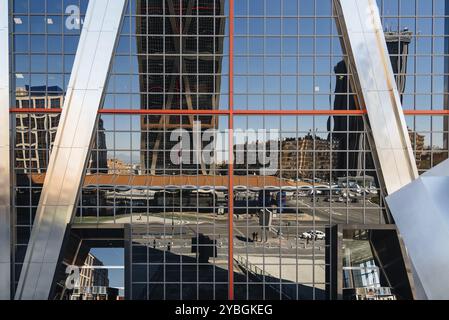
pixel 71 147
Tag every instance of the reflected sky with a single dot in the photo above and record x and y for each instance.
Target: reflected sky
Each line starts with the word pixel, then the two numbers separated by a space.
pixel 291 71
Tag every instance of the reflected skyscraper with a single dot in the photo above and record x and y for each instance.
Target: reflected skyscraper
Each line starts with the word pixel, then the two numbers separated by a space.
pixel 180 65
pixel 94 282
pixel 351 128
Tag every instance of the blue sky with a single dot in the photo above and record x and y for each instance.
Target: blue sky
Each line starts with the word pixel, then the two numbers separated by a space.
pixel 112 257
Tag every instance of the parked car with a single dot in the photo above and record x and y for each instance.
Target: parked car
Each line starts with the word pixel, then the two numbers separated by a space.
pixel 313 234
pixel 336 199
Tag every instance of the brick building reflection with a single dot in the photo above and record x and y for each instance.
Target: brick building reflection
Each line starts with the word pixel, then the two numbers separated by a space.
pixel 36 132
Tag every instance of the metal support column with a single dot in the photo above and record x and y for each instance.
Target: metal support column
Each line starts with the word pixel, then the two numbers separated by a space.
pixel 5 180
pixel 373 80
pixel 71 147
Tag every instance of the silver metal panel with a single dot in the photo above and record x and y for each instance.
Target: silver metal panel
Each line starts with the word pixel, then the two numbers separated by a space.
pixel 5 195
pixel 421 213
pixel 71 147
pixel 441 170
pixel 373 80
pixel 368 60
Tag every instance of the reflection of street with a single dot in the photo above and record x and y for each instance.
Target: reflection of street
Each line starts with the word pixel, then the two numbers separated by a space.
pixel 292 270
pixel 179 266
pixel 289 265
pixel 305 210
pixel 350 212
pixel 275 262
pixel 175 276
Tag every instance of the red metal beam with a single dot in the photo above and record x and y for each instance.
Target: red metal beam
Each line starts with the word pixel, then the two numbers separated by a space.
pixel 426 112
pixel 233 111
pixel 164 111
pixel 300 112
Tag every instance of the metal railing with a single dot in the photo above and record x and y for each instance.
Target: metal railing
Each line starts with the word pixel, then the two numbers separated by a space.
pixel 266 277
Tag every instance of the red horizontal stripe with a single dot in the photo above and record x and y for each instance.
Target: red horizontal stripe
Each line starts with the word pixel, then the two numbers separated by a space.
pixel 235 112
pixel 425 112
pixel 163 111
pixel 299 112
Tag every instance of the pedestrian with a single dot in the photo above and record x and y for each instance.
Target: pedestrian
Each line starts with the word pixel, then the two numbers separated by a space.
pixel 257 236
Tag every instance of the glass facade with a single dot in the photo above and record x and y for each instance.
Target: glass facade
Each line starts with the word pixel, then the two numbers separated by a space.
pixel 188 80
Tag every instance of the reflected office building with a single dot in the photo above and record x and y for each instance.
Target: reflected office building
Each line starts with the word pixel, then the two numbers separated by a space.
pixel 94 282
pixel 180 64
pixel 398 48
pixel 35 133
pixel 120 153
